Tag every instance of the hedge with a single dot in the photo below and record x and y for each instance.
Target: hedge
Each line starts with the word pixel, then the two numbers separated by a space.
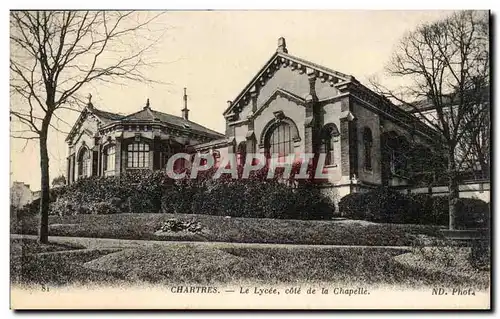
pixel 256 196
pixel 389 206
pixel 131 192
pixel 248 198
pixel 154 192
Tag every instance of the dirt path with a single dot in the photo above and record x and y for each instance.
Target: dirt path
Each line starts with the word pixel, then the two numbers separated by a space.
pixel 93 243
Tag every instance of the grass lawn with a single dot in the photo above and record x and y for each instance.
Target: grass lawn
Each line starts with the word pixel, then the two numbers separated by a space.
pixel 181 263
pixel 53 264
pixel 244 230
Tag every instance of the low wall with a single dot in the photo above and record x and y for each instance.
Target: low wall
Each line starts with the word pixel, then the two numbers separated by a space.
pixel 473 189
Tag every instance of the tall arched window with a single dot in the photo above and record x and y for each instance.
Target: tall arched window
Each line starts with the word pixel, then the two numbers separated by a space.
pixel 401 160
pixel 138 155
pixel 396 148
pixel 280 140
pixel 84 167
pixel 109 158
pixel 329 135
pixel 367 145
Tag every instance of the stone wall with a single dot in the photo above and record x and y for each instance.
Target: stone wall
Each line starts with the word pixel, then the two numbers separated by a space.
pixel 473 189
pixel 368 119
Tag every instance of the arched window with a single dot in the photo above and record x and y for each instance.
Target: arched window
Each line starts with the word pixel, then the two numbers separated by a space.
pixel 138 155
pixel 401 160
pixel 367 145
pixel 109 158
pixel 84 167
pixel 396 148
pixel 241 154
pixel 329 136
pixel 280 140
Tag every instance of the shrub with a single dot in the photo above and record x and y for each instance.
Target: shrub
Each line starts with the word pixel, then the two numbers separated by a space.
pixel 30 209
pixel 389 206
pixel 431 209
pixel 309 203
pixel 352 206
pixel 153 192
pixel 380 205
pixel 104 208
pixel 62 207
pixel 178 197
pixel 175 225
pixel 253 197
pixel 134 192
pixel 471 212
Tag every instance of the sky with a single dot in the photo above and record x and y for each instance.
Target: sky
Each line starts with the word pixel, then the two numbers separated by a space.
pixel 214 54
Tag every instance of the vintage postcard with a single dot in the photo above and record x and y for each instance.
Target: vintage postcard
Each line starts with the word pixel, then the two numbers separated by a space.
pixel 250 160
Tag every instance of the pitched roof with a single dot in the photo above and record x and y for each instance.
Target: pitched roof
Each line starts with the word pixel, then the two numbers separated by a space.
pixel 180 121
pixel 281 57
pixel 106 116
pixel 103 116
pixel 148 114
pixel 426 104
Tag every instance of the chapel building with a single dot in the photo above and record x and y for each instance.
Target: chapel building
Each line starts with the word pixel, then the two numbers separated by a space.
pixel 291 105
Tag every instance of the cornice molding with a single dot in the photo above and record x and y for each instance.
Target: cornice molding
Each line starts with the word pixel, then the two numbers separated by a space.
pixel 277 61
pixel 281 93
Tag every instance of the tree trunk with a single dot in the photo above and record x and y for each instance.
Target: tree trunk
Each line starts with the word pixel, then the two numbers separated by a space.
pixel 485 168
pixel 453 190
pixel 43 231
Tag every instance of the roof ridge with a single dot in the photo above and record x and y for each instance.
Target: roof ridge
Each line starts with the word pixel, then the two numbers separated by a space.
pixel 283 55
pixel 179 117
pixel 316 65
pixel 188 121
pixel 101 110
pixel 150 111
pixel 131 114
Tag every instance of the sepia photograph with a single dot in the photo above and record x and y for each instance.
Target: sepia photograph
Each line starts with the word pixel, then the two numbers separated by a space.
pixel 250 159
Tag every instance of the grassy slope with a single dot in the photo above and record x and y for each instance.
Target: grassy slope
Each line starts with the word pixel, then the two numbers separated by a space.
pixel 190 264
pixel 34 263
pixel 27 247
pixel 348 266
pixel 248 230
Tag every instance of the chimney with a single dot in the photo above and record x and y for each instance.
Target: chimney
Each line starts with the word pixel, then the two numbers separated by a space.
pixel 185 111
pixel 282 45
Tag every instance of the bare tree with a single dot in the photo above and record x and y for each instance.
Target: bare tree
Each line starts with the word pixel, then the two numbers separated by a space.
pixel 474 147
pixel 54 54
pixel 446 64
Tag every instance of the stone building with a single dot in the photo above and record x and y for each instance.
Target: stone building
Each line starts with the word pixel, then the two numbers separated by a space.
pixel 291 105
pixel 296 106
pixel 104 144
